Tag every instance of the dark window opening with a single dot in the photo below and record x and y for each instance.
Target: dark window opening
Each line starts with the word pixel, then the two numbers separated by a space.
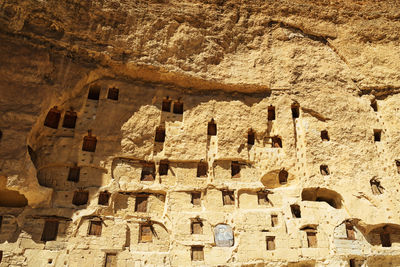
pixel 73 174
pixel 141 204
pixel 1 135
pixel 94 92
pixel 160 134
pixel 196 228
pixel 324 135
pixel 52 118
pixel 178 107
pixel 398 165
pixel 276 142
pixel 89 142
pixel 350 232
pixel 271 113
pixel 113 93
pixel 295 111
pixel 50 231
pixel 1 222
pixel 263 199
pixel 70 119
pixel 104 198
pixel 111 260
pixel 274 220
pixel 166 105
pixel 385 240
pixel 1 256
pixel 377 135
pixel 196 198
pixel 283 176
pixel 197 253
pixel 202 169
pixel 145 234
pixel 312 239
pixel 163 168
pixel 374 105
pixel 95 228
pixel 270 240
pixel 235 169
pixel 212 128
pixel 376 186
pixel 296 213
pixel 80 198
pixel 228 198
pixel 352 263
pixel 148 172
pixel 324 170
pixel 250 137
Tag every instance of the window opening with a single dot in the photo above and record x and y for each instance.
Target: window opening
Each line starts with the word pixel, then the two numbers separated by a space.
pixel 113 93
pixel 311 239
pixel 104 198
pixel 276 142
pixel 94 92
pixel 377 135
pixel 197 228
pixel 228 197
pixel 163 168
pixel 53 118
pixel 250 137
pixel 70 119
pixel 296 213
pixel 95 228
pixel 111 260
pixel 197 253
pixel 50 231
pixel 212 128
pixel 166 105
pixel 80 198
pixel 89 142
pixel 202 169
pixel 148 172
pixel 350 232
pixel 324 169
pixel 196 198
pixel 160 134
pixel 145 233
pixel 141 204
pixel 271 113
pixel 385 239
pixel 398 165
pixel 374 105
pixel 274 220
pixel 324 135
pixel 270 242
pixel 295 110
pixel 263 198
pixel 178 107
pixel 283 176
pixel 74 173
pixel 235 169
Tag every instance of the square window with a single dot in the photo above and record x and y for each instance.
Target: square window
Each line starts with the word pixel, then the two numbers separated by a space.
pixel 385 240
pixel 228 198
pixel 104 198
pixel 276 142
pixel 145 234
pixel 324 169
pixel 89 142
pixel 141 204
pixel 50 231
pixel 148 172
pixel 95 228
pixel 69 119
pixel 196 198
pixel 197 253
pixel 202 169
pixel 197 228
pixel 324 135
pixel 94 92
pixel 270 242
pixel 80 198
pixel 113 93
pixel 53 118
pixel 73 174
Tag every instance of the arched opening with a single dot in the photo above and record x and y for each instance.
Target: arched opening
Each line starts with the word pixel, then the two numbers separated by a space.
pixel 11 198
pixel 322 195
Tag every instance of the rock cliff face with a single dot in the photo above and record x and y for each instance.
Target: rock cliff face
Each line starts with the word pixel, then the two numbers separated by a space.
pixel 199 133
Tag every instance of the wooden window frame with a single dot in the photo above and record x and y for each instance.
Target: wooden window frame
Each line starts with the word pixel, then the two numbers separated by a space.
pixel 70 118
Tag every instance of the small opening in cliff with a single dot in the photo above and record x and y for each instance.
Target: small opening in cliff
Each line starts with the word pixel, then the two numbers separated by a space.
pixel 262 197
pixel 12 199
pixel 202 169
pixel 148 172
pixel 178 107
pixel 235 169
pixel 270 240
pixel 196 227
pixel 80 198
pixel 374 105
pixel 377 135
pixel 74 173
pixel 250 137
pixel 52 118
pixel 295 110
pixel 398 165
pixel 385 239
pixel 197 253
pixel 350 233
pixel 70 119
pixel 94 92
pixel 274 220
pixel 95 228
pixel 141 203
pixel 228 197
pixel 196 198
pixel 166 105
pixel 113 93
pixel 163 168
pixel 89 142
pixel 331 197
pixel 271 113
pixel 276 142
pixel 324 135
pixel 312 239
pixel 145 234
pixel 283 176
pixel 50 230
pixel 295 209
pixel 104 198
pixel 160 134
pixel 212 128
pixel 324 169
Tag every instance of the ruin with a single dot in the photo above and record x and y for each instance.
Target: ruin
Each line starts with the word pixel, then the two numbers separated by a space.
pixel 199 133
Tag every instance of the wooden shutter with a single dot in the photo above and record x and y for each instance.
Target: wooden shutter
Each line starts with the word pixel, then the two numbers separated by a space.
pixel 163 169
pixel 235 169
pixel 113 93
pixel 95 228
pixel 89 143
pixel 197 253
pixel 80 198
pixel 196 199
pixel 202 168
pixel 270 242
pixel 166 105
pixel 111 260
pixel 197 228
pixel 350 232
pixel 74 173
pixel 228 197
pixel 148 172
pixel 178 108
pixel 69 119
pixel 274 220
pixel 52 118
pixel 141 204
pixel 104 198
pixel 312 239
pixel 146 234
pixel 50 231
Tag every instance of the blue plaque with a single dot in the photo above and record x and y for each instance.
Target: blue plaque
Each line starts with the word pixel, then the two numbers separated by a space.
pixel 223 235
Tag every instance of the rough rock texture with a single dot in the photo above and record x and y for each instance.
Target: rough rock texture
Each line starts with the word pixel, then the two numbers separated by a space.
pixel 319 186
